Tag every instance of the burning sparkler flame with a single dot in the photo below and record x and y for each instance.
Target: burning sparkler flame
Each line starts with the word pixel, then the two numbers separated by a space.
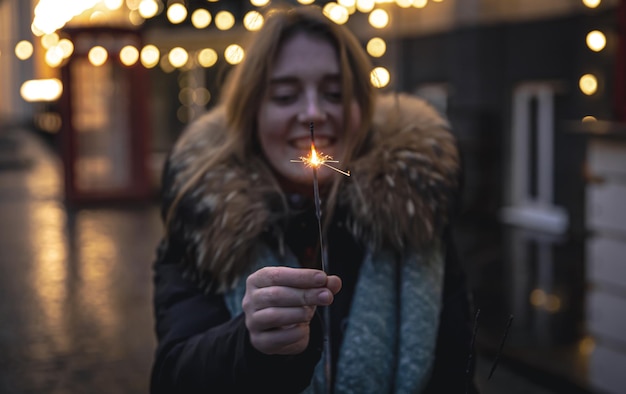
pixel 316 160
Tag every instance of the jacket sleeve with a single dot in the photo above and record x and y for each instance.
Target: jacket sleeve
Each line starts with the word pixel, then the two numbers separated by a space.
pixel 454 339
pixel 201 349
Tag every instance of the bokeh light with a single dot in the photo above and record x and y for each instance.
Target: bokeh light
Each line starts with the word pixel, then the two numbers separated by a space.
pixel 380 77
pixel 234 54
pixel 150 55
pixel 201 18
pixel 596 40
pixel 207 57
pixel 592 3
pixel 148 8
pixel 41 90
pixel 98 55
pixel 365 6
pixel 379 18
pixel 588 84
pixel 129 55
pixel 224 20
pixel 376 47
pixel 253 20
pixel 23 50
pixel 178 57
pixel 336 13
pixel 54 56
pixel 176 13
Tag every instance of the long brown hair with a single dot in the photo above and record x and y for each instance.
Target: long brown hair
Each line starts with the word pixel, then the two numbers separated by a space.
pixel 247 84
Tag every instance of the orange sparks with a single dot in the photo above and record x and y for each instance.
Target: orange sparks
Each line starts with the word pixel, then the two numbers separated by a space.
pixel 316 160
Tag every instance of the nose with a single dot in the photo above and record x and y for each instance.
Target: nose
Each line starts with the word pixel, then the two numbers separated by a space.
pixel 313 110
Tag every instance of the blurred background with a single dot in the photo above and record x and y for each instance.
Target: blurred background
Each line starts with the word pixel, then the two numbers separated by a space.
pixel 93 93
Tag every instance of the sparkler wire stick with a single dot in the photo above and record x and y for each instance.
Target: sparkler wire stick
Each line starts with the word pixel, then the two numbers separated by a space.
pixel 315 160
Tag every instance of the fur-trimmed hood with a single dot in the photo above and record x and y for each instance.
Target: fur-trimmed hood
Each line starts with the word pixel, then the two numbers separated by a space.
pixel 398 194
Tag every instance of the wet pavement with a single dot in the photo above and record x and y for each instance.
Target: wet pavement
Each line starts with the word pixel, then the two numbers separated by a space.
pixel 75 287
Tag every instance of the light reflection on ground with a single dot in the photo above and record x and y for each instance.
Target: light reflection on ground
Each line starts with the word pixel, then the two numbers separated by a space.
pixel 75 287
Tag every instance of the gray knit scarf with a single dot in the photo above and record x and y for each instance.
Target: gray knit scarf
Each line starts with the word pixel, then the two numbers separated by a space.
pixel 376 355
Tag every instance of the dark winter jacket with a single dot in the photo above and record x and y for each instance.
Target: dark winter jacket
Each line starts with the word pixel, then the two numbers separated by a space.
pixel 398 199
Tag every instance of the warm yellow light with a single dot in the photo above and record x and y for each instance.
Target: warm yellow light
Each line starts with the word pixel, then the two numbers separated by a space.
pixel 97 17
pixel 438 1
pixel 201 18
pixel 178 57
pixel 224 20
pixel 538 298
pixel 586 345
pixel 207 57
pixel 379 18
pixel 23 50
pixel 148 8
pixel 150 56
pixel 54 56
pixel 253 21
pixel 349 5
pixel 133 4
pixel 591 3
pixel 97 55
pixel 185 96
pixel 365 6
pixel 165 64
pixel 176 13
pixel 135 18
pixel 588 84
pixel 553 303
pixel 129 55
pixel 113 4
pixel 306 2
pixel 376 47
pixel 596 40
pixel 234 54
pixel 67 47
pixel 380 77
pixel 49 15
pixel 201 96
pixel 259 3
pixel 589 118
pixel 49 40
pixel 336 13
pixel 41 90
pixel 419 3
pixel 404 3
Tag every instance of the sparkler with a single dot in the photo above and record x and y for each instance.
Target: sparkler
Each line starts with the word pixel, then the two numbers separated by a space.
pixel 315 160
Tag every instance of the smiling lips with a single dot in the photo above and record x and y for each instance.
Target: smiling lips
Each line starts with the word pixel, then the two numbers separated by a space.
pixel 305 142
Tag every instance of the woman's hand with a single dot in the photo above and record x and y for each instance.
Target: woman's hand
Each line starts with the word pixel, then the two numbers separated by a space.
pixel 279 304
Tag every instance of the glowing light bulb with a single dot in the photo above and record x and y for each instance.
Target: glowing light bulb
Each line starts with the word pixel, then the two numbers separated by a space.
pixel 380 77
pixel 97 55
pixel 129 55
pixel 588 84
pixel 150 56
pixel 234 54
pixel 224 20
pixel 201 18
pixel 596 40
pixel 176 13
pixel 253 21
pixel 207 57
pixel 376 47
pixel 379 18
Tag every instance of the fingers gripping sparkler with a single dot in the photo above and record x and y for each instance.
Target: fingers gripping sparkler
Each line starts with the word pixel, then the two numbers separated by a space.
pixel 315 160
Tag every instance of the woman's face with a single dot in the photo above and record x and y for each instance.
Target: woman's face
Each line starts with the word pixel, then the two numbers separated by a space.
pixel 304 87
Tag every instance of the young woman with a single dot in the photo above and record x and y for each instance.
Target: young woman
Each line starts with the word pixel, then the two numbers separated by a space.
pixel 237 278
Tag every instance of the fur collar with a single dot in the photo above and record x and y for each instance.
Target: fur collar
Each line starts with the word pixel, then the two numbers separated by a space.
pixel 398 195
